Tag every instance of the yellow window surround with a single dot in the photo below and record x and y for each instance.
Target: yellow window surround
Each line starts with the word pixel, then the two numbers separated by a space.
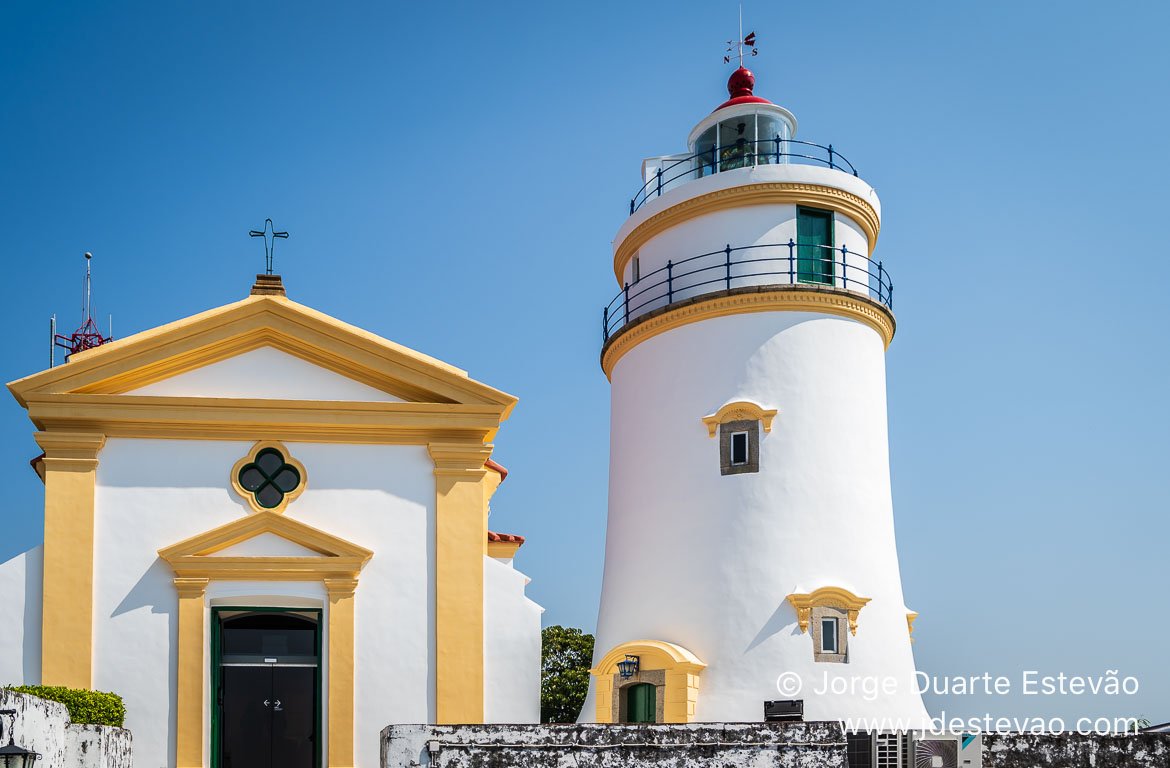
pixel 832 597
pixel 738 411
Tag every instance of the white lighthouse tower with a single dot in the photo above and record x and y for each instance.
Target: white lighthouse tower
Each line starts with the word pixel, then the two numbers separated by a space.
pixel 750 551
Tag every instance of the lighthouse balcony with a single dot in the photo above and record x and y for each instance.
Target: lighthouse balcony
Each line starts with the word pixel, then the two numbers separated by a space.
pixel 664 174
pixel 750 269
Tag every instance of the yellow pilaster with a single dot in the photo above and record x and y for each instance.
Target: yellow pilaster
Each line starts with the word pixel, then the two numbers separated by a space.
pixel 189 685
pixel 460 546
pixel 70 467
pixel 341 668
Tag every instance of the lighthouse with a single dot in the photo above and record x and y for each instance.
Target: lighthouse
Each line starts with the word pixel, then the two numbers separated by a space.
pixel 750 563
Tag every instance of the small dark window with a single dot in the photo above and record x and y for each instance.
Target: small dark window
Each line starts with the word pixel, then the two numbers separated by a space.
pixel 739 447
pixel 636 269
pixel 829 635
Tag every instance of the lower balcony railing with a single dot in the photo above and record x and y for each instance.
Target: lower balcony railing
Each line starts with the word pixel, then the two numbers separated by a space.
pixel 779 264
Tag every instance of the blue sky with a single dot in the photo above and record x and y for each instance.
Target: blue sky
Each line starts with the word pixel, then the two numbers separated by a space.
pixel 452 176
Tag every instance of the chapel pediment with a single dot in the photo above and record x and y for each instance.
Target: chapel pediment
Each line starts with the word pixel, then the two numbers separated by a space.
pixel 263 366
pixel 266 545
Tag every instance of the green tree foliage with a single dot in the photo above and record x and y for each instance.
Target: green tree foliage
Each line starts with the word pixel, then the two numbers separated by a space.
pixel 85 707
pixel 565 656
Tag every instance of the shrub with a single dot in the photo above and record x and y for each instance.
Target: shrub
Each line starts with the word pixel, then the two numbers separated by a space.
pixel 85 707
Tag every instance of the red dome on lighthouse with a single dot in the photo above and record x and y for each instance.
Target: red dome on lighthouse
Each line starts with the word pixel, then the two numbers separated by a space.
pixel 739 88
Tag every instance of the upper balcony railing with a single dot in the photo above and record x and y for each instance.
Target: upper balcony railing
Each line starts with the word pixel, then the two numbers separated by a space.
pixel 741 154
pixel 772 265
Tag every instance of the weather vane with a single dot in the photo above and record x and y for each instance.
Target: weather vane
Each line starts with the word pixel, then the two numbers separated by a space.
pixel 749 41
pixel 269 234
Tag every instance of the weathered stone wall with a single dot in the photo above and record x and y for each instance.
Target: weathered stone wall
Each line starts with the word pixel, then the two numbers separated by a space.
pixel 44 727
pixel 719 745
pixel 98 746
pixel 1071 750
pixel 723 745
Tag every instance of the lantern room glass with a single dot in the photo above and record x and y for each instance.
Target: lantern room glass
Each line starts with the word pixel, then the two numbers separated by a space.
pixel 752 138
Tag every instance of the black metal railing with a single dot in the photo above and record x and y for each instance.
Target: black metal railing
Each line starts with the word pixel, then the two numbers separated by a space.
pixel 772 264
pixel 741 154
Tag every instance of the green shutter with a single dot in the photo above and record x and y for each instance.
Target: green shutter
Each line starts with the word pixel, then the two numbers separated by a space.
pixel 814 239
pixel 640 703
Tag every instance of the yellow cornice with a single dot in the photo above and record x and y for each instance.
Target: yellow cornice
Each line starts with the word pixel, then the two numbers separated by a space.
pixel 833 597
pixel 258 321
pixel 460 459
pixel 76 451
pixel 504 550
pixel 763 193
pixel 745 300
pixel 740 409
pixel 243 419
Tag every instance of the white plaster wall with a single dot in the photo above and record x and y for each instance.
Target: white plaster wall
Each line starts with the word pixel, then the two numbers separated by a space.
pixel 265 373
pixel 706 560
pixel 154 493
pixel 20 602
pixel 511 646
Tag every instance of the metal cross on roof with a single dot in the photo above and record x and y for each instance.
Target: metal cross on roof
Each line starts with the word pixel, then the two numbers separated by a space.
pixel 269 234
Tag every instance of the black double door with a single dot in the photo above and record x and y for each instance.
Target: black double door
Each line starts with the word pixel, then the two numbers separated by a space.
pixel 269 717
pixel 268 703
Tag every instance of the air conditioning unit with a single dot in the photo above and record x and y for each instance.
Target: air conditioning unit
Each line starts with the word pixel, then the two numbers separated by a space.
pixel 783 710
pixel 948 750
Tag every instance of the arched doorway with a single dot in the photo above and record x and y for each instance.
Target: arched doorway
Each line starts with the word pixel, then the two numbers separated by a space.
pixel 267 681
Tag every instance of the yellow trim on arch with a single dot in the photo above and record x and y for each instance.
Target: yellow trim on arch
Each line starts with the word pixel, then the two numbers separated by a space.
pixel 250 457
pixel 832 597
pixel 681 667
pixel 740 410
pixel 195 563
pixel 820 196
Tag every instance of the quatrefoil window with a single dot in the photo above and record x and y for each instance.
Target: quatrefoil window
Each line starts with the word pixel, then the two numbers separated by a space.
pixel 268 478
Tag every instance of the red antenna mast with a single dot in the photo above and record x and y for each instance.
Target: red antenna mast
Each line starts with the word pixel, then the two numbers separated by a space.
pixel 87 335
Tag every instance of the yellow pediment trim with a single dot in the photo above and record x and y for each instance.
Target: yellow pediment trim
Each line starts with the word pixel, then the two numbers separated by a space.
pixel 832 597
pixel 738 411
pixel 209 337
pixel 195 557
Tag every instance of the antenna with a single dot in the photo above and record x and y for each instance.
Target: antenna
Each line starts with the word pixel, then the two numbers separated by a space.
pixel 87 335
pixel 749 40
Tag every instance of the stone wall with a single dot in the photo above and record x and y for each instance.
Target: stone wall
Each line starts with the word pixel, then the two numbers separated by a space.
pixel 44 727
pixel 723 745
pixel 718 745
pixel 1071 750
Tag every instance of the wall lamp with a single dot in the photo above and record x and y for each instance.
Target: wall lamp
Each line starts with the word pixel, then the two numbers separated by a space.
pixel 628 667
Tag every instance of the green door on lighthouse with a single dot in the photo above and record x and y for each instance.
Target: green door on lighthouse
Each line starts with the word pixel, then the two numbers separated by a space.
pixel 640 703
pixel 814 246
